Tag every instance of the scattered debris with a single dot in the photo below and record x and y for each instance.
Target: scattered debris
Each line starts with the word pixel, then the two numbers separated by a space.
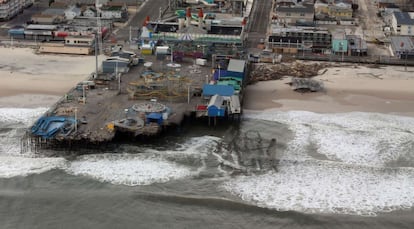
pixel 306 85
pixel 264 72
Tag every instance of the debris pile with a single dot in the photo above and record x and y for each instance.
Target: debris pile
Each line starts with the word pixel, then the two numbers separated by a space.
pixel 264 72
pixel 306 85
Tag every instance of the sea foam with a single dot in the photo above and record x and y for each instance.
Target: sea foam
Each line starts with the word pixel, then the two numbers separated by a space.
pixel 13 163
pixel 355 138
pixel 328 187
pixel 25 116
pixel 24 166
pixel 355 177
pixel 144 165
pixel 128 169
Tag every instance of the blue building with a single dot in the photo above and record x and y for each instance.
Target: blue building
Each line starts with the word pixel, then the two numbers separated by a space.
pixel 216 108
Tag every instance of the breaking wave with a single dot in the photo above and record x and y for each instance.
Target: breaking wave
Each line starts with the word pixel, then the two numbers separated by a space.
pixel 24 166
pixel 352 163
pixel 128 169
pixel 328 187
pixel 14 122
pixel 22 116
pixel 354 138
pixel 145 166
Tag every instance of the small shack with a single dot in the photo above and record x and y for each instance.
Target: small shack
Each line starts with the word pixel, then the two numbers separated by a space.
pixel 236 68
pixel 146 49
pixel 215 107
pixel 115 65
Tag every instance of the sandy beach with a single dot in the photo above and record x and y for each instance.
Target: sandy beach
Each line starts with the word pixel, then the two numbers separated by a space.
pixel 32 80
pixel 37 80
pixel 387 89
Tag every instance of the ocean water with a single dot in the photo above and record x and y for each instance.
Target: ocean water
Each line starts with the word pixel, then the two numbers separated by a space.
pixel 275 170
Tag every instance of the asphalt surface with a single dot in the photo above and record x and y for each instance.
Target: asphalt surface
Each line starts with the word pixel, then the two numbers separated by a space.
pixel 259 21
pixel 150 8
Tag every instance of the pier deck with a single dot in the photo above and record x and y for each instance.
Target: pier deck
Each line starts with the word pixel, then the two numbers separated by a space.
pixel 97 107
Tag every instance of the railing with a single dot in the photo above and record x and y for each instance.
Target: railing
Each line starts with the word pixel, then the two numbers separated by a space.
pixel 386 60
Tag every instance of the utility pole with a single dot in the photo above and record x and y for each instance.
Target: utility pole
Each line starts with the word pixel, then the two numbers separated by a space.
pixel 76 119
pixel 404 51
pixel 118 77
pixel 130 34
pixel 98 22
pixel 188 93
pixel 96 56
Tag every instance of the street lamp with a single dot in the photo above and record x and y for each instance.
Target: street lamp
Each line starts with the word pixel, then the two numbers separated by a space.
pixel 76 119
pixel 341 48
pixel 404 51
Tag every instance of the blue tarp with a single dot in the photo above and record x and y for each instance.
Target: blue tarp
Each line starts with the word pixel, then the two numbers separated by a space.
pixel 222 90
pixel 155 117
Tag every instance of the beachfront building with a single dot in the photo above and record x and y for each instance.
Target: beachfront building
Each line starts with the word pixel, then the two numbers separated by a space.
pixel 44 19
pixel 340 46
pixel 402 23
pixel 321 9
pixel 287 13
pixel 82 2
pixel 334 10
pixel 10 8
pixel 292 39
pixel 383 4
pixel 356 45
pixel 402 47
pixel 114 10
pixel 72 12
pixel 89 12
pixel 341 9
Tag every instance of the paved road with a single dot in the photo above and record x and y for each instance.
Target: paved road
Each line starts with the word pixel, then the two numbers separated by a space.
pixel 149 8
pixel 259 21
pixel 372 24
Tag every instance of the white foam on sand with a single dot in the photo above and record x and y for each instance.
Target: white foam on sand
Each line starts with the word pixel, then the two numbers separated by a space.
pixel 355 178
pixel 127 169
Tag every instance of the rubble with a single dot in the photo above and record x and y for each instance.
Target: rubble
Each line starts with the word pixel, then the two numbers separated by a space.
pixel 306 85
pixel 264 72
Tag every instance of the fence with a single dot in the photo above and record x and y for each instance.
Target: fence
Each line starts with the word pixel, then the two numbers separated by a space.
pixel 385 60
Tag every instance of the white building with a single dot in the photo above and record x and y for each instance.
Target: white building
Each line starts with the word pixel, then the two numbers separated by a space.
pixel 72 12
pixel 89 12
pixel 9 8
pixel 115 11
pixel 402 23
